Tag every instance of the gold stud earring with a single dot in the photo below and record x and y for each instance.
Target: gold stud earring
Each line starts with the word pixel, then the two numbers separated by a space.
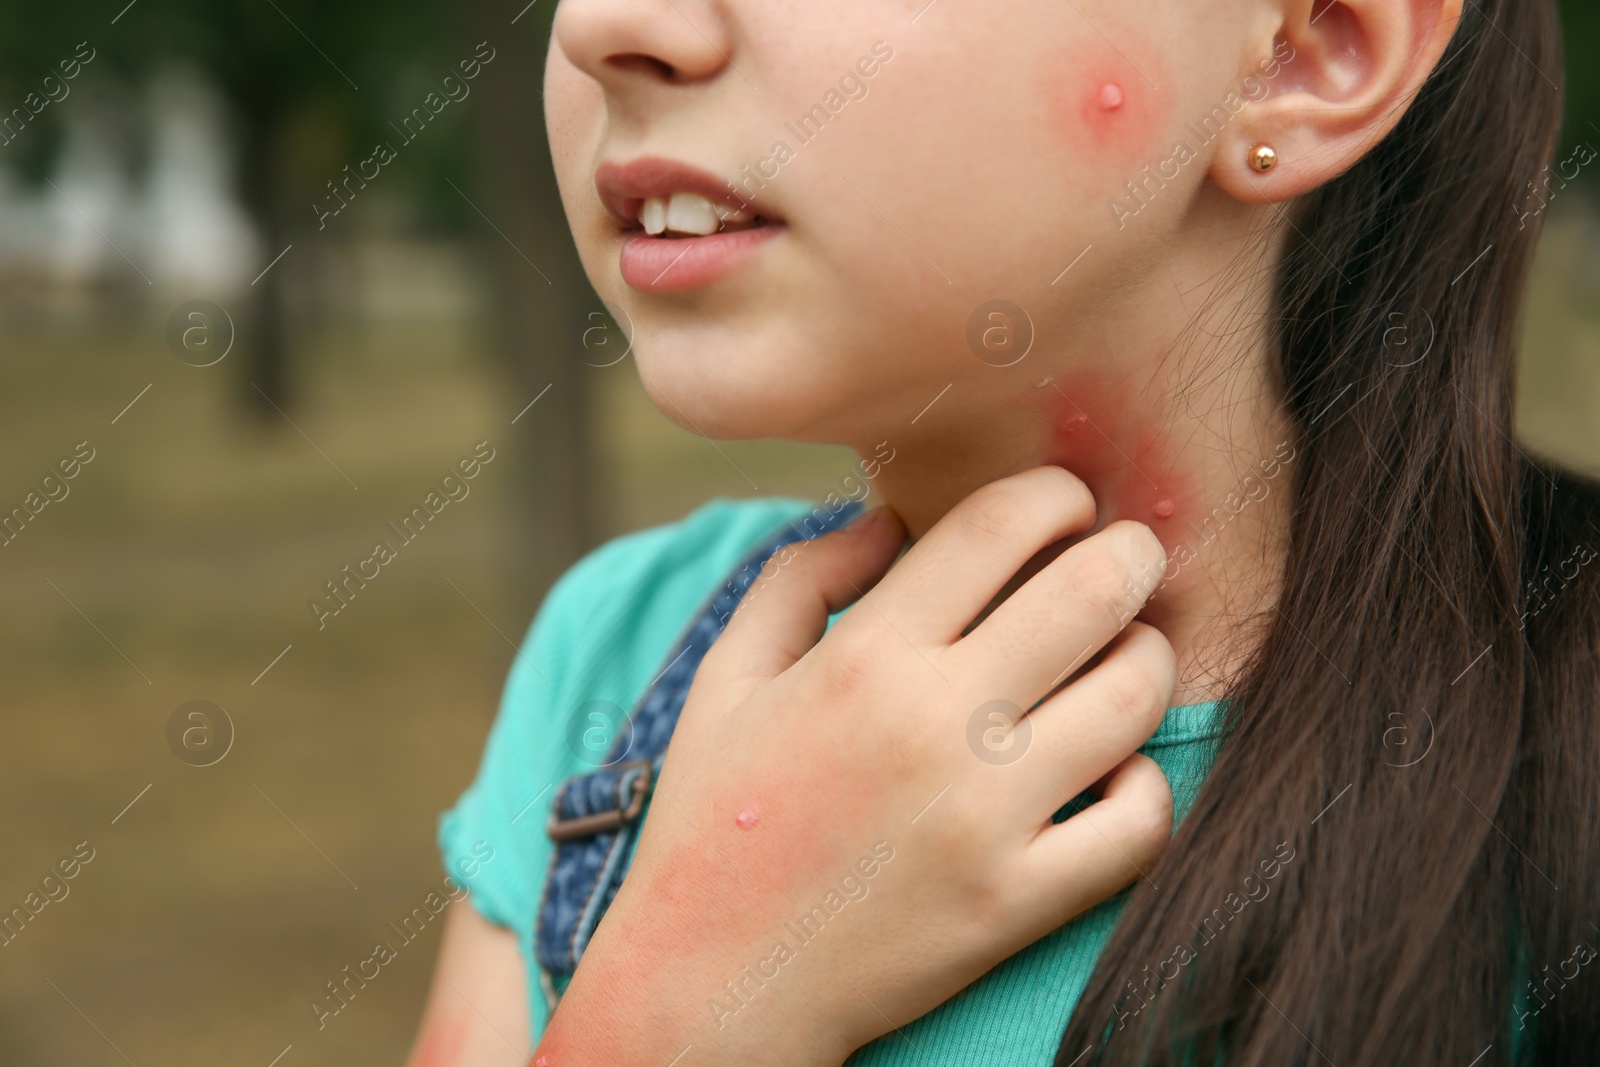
pixel 1263 158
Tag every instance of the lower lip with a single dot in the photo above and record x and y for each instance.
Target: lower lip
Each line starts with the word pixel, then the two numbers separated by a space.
pixel 671 264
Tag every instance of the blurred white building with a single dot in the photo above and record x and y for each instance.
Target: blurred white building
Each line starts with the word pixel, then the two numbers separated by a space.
pixel 196 233
pixel 95 223
pixel 140 205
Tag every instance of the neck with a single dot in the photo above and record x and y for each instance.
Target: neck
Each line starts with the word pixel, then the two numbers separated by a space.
pixel 1191 439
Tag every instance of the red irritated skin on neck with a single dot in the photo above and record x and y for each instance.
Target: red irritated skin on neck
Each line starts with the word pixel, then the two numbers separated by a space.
pixel 1113 437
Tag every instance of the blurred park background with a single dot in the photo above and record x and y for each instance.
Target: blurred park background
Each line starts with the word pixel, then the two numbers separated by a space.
pixel 269 360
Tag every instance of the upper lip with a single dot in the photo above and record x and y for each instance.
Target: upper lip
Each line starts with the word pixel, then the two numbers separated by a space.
pixel 623 187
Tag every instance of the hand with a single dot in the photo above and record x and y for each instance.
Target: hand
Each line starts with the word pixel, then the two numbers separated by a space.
pixel 848 829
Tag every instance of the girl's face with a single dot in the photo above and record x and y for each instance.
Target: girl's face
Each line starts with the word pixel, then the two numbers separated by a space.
pixel 869 201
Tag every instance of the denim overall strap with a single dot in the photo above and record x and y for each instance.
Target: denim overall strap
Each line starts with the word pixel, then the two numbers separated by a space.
pixel 595 816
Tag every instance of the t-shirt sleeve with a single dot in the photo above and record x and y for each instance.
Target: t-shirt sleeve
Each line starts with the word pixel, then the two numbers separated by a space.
pixel 600 637
pixel 497 825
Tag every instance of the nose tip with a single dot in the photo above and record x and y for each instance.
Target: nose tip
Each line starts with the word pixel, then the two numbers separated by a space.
pixel 626 44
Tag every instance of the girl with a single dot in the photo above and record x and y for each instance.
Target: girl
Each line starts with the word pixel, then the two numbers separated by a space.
pixel 1200 313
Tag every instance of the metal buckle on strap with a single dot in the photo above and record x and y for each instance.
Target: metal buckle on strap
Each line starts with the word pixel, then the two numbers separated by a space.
pixel 561 829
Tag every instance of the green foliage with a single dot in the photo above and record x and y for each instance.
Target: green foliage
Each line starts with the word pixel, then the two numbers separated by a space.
pixel 330 75
pixel 1581 21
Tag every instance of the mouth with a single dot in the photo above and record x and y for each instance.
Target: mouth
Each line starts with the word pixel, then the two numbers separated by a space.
pixel 681 227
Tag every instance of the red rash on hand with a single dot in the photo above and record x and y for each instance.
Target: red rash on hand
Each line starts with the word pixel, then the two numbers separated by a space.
pixel 754 874
pixel 443 1044
pixel 722 895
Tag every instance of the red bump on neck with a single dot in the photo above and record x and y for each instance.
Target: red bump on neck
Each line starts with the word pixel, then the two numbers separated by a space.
pixel 1110 96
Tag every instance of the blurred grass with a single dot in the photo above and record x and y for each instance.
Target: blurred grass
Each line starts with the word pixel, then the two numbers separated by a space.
pixel 1558 403
pixel 207 921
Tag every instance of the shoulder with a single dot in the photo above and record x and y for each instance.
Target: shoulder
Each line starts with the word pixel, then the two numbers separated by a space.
pixel 598 640
pixel 608 622
pixel 709 539
pixel 632 595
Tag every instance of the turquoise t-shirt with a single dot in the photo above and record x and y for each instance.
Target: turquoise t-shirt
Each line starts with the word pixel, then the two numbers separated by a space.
pixel 604 633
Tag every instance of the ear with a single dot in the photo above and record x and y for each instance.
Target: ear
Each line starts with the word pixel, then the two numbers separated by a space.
pixel 1342 74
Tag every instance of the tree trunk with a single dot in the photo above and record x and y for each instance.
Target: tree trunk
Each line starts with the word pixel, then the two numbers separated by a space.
pixel 263 343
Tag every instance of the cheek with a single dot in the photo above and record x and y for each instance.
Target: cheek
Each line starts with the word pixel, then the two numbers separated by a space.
pixel 575 109
pixel 1105 105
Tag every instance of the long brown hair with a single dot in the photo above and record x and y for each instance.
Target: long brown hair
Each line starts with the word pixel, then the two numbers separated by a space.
pixel 1440 893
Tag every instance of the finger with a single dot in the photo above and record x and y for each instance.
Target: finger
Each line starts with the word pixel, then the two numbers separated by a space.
pixel 1071 866
pixel 952 573
pixel 786 611
pixel 1100 719
pixel 1064 614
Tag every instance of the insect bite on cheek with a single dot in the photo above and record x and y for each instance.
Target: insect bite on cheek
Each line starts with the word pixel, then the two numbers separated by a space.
pixel 1116 114
pixel 1104 105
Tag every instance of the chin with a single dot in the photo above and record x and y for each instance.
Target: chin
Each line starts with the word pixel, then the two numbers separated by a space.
pixel 730 392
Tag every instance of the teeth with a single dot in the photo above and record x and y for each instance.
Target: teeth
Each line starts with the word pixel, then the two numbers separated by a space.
pixel 689 213
pixel 653 216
